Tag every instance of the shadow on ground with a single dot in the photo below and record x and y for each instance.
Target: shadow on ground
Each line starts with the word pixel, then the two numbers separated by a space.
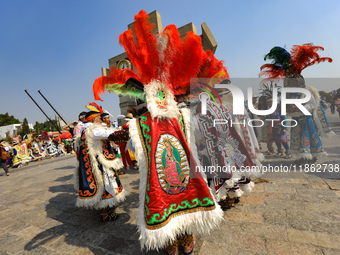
pixel 82 228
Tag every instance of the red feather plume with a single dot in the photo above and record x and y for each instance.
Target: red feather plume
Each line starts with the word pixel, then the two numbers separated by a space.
pixel 301 57
pixel 272 71
pixel 170 43
pixel 305 55
pixel 186 63
pixel 164 57
pixel 211 66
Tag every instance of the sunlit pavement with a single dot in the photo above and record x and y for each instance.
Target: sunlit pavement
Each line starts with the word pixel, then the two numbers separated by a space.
pixel 287 213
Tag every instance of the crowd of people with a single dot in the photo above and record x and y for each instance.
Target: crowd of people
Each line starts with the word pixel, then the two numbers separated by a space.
pixel 33 148
pixel 282 138
pixel 271 134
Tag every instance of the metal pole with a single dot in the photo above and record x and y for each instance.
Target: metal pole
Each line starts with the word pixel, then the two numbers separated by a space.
pixel 42 111
pixel 52 107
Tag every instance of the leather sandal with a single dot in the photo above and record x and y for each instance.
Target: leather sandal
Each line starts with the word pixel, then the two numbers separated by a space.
pixel 172 250
pixel 190 248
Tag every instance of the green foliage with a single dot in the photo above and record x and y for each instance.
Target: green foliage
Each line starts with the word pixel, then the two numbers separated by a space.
pixel 37 128
pixel 46 126
pixel 6 120
pixel 24 128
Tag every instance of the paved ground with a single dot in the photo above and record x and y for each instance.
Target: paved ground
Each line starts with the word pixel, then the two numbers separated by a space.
pixel 292 213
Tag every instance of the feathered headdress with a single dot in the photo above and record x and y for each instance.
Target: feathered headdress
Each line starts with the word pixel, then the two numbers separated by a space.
pixel 289 65
pixel 163 57
pixel 94 107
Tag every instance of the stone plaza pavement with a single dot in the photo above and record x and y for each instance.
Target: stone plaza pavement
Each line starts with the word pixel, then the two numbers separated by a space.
pixel 287 213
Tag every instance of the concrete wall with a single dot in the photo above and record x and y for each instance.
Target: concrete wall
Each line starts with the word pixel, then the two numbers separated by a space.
pixel 11 130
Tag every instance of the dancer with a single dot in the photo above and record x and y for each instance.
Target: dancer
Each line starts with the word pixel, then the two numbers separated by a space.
pixel 17 162
pixel 305 142
pixel 175 201
pixel 95 177
pixel 221 146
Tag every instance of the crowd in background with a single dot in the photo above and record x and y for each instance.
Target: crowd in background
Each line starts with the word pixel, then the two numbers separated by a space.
pixel 33 147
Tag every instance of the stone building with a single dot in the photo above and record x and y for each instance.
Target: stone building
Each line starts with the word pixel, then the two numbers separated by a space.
pixel 122 60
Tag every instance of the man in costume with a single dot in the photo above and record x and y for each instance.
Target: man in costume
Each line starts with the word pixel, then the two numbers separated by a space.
pixel 246 132
pixel 122 137
pixel 175 201
pixel 305 141
pixel 95 177
pixel 34 151
pixel 51 148
pixel 22 152
pixel 15 154
pixel 61 148
pixel 221 147
pixel 105 116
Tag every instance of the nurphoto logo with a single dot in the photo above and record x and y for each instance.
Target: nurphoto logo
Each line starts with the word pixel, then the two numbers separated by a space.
pixel 238 105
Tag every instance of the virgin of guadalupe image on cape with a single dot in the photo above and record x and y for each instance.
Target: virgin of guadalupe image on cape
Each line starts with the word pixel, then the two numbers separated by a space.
pixel 171 163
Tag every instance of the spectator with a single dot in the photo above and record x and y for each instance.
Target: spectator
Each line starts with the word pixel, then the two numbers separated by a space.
pixel 81 121
pixel 4 155
pixel 332 102
pixel 69 127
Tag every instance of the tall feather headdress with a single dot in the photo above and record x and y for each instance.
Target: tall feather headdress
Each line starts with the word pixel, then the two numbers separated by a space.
pixel 164 57
pixel 290 65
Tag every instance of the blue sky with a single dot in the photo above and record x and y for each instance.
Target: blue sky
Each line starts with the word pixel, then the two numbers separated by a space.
pixel 59 47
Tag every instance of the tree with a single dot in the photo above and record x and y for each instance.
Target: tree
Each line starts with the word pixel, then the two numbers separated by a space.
pixel 57 124
pixel 46 126
pixel 36 127
pixel 6 120
pixel 25 129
